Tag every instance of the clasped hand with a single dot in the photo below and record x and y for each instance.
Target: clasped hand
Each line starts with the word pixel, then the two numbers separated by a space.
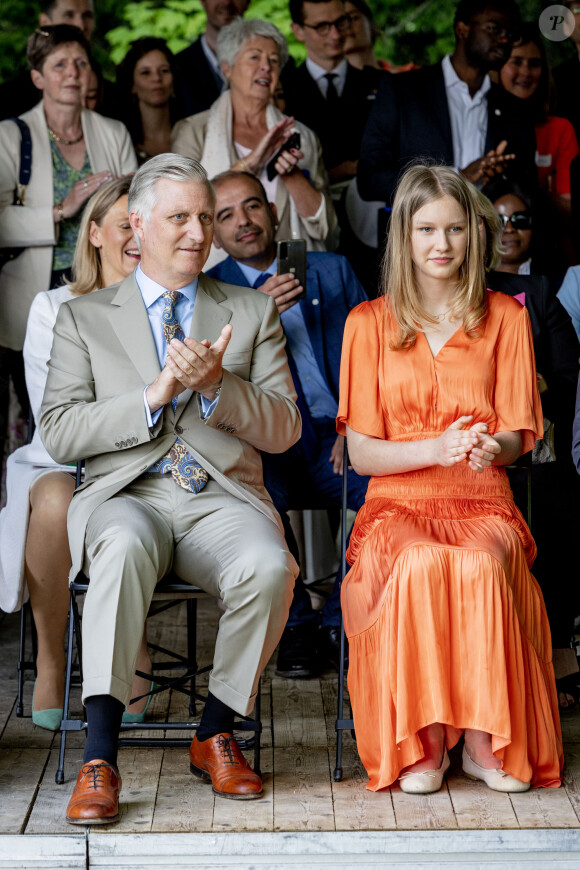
pixel 474 445
pixel 190 365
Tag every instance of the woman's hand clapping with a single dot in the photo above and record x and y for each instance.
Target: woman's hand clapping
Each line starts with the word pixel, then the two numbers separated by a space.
pixel 455 444
pixel 487 448
pixel 82 190
pixel 474 445
pixel 268 145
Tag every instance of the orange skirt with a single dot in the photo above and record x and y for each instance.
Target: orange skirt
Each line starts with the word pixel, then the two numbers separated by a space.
pixel 446 624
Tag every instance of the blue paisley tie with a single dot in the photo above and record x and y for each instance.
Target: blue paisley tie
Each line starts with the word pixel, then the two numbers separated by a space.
pixel 185 470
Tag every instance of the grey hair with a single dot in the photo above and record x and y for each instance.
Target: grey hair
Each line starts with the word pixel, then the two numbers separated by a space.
pixel 175 167
pixel 232 38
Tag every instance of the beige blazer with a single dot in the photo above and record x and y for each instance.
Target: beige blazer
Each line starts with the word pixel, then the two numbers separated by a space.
pixel 104 355
pixel 187 138
pixel 109 147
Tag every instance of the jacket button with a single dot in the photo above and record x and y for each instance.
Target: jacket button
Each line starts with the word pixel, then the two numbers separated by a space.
pixel 179 430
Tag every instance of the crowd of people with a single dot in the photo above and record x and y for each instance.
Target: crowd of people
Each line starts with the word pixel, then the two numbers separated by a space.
pixel 148 329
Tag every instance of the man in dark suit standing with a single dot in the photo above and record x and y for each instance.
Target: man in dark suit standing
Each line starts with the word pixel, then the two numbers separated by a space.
pixel 451 112
pixel 326 93
pixel 198 77
pixel 307 475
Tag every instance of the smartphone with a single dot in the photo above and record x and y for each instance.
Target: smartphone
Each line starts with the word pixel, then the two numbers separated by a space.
pixel 292 142
pixel 291 255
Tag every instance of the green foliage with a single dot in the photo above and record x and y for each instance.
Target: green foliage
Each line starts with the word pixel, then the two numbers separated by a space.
pixel 180 22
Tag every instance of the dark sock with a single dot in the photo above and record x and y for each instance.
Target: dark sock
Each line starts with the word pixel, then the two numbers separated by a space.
pixel 104 714
pixel 217 718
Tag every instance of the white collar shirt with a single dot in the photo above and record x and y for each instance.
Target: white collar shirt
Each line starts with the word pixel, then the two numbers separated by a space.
pixel 319 74
pixel 468 116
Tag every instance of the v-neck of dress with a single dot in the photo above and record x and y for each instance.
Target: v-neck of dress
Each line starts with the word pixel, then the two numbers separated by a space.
pixel 444 345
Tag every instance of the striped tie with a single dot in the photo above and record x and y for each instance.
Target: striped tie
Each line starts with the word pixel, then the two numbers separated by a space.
pixel 185 470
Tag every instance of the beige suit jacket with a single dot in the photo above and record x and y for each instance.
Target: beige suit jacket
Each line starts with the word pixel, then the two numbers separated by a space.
pixel 32 226
pixel 103 356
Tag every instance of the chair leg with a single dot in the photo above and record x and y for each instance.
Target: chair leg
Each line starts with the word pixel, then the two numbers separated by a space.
pixel 258 732
pixel 72 629
pixel 192 650
pixel 21 660
pixel 340 709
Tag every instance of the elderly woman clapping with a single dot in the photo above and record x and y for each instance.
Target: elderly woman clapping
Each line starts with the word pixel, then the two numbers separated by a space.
pixel 243 131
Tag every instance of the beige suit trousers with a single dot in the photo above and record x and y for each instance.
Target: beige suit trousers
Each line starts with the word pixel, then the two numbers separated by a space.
pixel 213 540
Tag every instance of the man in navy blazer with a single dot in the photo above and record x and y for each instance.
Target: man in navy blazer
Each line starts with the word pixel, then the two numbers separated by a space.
pixel 198 77
pixel 450 112
pixel 308 475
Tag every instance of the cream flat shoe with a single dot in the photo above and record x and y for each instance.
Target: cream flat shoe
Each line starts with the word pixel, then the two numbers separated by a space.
pixel 496 779
pixel 426 782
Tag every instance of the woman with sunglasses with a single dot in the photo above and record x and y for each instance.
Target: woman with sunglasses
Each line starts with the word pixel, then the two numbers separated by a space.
pixel 556 349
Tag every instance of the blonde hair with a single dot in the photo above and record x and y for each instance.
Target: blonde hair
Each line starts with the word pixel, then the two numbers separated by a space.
pixel 420 185
pixel 87 273
pixel 493 229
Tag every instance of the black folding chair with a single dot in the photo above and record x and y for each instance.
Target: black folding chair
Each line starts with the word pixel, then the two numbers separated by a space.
pixel 342 723
pixel 169 592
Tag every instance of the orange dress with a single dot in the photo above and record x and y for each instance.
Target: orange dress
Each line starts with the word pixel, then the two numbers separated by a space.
pixel 444 620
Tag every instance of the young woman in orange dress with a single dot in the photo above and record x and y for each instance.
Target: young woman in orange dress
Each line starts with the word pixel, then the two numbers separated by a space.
pixel 447 629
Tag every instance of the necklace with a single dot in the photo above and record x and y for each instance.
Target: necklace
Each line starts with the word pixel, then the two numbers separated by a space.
pixel 62 141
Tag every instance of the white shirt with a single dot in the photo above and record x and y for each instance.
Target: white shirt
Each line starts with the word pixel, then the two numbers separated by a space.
pixel 318 73
pixel 152 292
pixel 468 116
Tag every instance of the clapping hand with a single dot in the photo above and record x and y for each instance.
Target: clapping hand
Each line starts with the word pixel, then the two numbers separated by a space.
pixel 486 449
pixel 491 164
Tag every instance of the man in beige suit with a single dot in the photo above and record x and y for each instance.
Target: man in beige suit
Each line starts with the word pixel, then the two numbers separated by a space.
pixel 171 428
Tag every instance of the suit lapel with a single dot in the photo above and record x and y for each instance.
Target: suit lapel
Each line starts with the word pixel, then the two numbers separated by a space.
pixel 312 315
pixel 130 322
pixel 209 316
pixel 437 100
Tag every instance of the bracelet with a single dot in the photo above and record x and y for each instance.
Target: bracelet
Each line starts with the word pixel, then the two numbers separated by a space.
pixel 59 211
pixel 244 165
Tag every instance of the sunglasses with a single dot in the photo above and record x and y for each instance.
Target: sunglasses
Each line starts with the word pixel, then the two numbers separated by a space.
pixel 520 220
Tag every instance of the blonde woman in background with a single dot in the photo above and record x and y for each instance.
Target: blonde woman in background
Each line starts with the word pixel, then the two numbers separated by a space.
pixel 34 549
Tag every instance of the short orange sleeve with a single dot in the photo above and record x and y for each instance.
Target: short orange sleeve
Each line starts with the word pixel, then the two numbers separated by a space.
pixel 359 402
pixel 517 400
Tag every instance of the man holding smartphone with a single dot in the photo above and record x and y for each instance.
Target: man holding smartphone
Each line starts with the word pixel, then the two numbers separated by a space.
pixel 313 318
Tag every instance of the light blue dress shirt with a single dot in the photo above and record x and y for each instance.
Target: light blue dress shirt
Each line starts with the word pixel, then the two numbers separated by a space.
pixel 152 293
pixel 320 401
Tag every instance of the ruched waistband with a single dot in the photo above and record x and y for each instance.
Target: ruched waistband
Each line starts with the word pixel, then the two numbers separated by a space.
pixel 457 482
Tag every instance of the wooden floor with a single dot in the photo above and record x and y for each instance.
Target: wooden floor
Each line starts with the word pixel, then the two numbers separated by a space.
pixel 160 795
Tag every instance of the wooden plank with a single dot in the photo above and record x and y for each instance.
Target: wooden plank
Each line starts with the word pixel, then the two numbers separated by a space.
pixel 48 815
pixel 256 815
pixel 477 806
pixel 356 808
pixel 302 790
pixel 184 803
pixel 20 774
pixel 572 777
pixel 298 713
pixel 544 808
pixel 423 812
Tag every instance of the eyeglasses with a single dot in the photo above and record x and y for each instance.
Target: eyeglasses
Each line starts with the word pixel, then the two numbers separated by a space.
pixel 341 24
pixel 520 220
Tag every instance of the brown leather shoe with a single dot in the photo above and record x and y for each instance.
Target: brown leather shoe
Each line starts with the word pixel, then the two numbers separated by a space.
pixel 95 799
pixel 220 760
